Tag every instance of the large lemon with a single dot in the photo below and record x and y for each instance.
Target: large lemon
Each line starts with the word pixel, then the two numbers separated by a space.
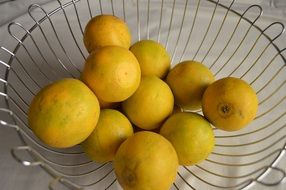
pixel 64 113
pixel 191 135
pixel 152 57
pixel 188 81
pixel 151 104
pixel 230 103
pixel 106 30
pixel 113 73
pixel 146 161
pixel 111 130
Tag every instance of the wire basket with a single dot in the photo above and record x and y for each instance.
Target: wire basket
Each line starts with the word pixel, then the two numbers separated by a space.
pixel 230 43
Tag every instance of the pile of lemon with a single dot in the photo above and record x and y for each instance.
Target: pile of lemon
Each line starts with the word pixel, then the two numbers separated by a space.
pixel 132 108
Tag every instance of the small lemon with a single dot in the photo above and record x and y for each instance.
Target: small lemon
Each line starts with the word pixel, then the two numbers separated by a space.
pixel 111 130
pixel 188 81
pixel 191 135
pixel 151 103
pixel 112 73
pixel 106 30
pixel 230 104
pixel 152 57
pixel 146 161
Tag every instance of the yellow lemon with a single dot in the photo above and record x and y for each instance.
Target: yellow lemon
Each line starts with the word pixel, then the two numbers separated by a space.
pixel 152 57
pixel 106 30
pixel 151 104
pixel 191 135
pixel 146 161
pixel 112 73
pixel 64 113
pixel 188 81
pixel 230 103
pixel 111 130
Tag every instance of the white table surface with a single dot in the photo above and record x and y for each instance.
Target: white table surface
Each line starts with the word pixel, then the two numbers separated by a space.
pixel 14 176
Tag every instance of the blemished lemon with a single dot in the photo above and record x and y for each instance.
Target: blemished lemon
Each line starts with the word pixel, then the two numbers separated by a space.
pixel 112 73
pixel 111 130
pixel 146 161
pixel 152 57
pixel 230 104
pixel 191 135
pixel 106 30
pixel 64 113
pixel 151 103
pixel 188 81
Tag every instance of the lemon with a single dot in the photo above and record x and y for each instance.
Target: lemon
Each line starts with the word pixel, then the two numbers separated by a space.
pixel 152 57
pixel 151 103
pixel 64 113
pixel 146 161
pixel 230 104
pixel 112 73
pixel 106 30
pixel 111 130
pixel 188 81
pixel 191 135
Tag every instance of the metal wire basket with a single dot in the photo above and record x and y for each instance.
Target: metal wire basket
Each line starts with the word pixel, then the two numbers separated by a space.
pixel 230 43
